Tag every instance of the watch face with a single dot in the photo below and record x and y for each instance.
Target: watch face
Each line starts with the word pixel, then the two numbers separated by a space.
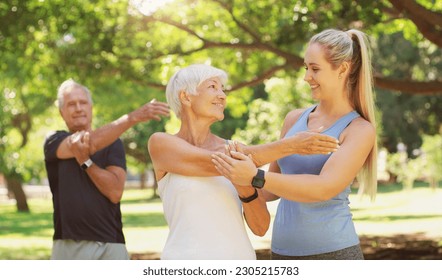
pixel 258 182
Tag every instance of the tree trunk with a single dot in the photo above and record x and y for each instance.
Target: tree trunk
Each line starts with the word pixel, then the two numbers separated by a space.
pixel 155 187
pixel 16 186
pixel 434 184
pixel 143 178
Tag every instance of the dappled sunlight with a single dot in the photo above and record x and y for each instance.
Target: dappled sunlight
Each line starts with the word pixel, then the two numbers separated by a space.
pixel 140 240
pixel 25 224
pixel 148 7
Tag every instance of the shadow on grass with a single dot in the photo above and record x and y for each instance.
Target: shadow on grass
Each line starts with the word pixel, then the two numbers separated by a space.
pixel 25 253
pixel 25 224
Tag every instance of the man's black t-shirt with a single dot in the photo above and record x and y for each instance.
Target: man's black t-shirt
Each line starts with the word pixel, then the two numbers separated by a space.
pixel 81 212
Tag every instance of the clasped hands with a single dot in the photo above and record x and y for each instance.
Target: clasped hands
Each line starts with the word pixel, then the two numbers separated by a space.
pixel 240 168
pixel 235 165
pixel 79 144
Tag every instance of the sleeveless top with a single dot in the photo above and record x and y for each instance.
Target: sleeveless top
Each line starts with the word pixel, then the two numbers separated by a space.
pixel 302 229
pixel 205 219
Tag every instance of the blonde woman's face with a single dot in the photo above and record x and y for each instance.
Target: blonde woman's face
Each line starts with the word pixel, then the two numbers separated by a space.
pixel 324 81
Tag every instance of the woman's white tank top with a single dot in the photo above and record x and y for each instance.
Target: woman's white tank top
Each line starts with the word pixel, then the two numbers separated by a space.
pixel 205 219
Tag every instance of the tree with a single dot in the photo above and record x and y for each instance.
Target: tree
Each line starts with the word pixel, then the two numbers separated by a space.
pixel 256 31
pixel 126 57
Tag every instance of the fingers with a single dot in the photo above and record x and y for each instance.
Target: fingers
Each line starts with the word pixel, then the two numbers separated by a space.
pixel 155 109
pixel 221 165
pixel 238 147
pixel 311 142
pixel 232 146
pixel 158 108
pixel 76 137
pixel 86 138
pixel 238 155
pixel 223 159
pixel 229 146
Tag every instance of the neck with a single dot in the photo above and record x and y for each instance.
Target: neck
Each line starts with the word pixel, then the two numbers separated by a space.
pixel 335 108
pixel 196 132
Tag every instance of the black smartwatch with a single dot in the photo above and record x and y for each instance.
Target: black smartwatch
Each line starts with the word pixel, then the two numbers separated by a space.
pixel 258 181
pixel 87 164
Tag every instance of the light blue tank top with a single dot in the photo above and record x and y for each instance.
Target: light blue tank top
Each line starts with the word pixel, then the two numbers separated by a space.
pixel 302 229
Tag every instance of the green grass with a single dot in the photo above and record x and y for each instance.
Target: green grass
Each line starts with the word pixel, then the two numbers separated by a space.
pixel 28 236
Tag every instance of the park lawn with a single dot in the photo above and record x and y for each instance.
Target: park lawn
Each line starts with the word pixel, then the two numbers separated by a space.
pixel 28 235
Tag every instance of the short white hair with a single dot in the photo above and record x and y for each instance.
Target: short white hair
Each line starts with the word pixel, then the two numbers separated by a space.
pixel 67 86
pixel 187 80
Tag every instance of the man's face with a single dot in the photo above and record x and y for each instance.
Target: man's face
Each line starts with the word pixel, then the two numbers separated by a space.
pixel 76 110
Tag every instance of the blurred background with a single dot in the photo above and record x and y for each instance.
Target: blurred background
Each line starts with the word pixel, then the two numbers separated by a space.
pixel 125 52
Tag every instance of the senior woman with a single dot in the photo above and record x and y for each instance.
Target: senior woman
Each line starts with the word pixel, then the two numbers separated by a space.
pixel 203 209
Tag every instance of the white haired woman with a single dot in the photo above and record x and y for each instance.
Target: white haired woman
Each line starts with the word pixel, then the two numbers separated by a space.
pixel 202 208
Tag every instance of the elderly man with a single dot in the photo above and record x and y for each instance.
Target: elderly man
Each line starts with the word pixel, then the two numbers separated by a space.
pixel 87 170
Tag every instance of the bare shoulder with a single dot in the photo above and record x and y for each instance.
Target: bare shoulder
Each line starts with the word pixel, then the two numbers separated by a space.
pixel 293 115
pixel 362 129
pixel 158 136
pixel 160 140
pixel 290 120
pixel 363 125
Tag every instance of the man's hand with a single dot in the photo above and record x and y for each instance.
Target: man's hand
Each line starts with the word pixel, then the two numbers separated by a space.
pixel 78 143
pixel 149 111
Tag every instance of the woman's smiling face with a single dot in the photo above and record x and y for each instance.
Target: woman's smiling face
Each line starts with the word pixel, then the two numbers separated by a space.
pixel 324 81
pixel 210 100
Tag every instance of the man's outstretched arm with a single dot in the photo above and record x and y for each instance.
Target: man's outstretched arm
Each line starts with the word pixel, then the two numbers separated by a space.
pixel 107 134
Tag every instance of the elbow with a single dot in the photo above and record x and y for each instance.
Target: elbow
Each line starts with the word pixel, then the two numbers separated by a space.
pixel 326 194
pixel 115 197
pixel 321 198
pixel 261 231
pixel 262 228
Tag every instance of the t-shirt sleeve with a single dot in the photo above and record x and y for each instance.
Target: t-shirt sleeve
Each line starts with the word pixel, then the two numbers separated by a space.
pixel 117 155
pixel 52 143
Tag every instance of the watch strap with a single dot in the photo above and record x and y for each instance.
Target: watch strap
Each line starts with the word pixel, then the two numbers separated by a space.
pixel 87 164
pixel 249 198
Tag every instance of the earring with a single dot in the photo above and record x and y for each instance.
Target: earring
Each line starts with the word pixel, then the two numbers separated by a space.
pixel 340 76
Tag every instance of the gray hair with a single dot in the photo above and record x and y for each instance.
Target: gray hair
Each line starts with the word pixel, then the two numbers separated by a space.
pixel 187 80
pixel 67 86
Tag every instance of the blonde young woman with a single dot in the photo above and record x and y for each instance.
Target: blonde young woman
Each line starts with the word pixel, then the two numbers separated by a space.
pixel 203 209
pixel 313 219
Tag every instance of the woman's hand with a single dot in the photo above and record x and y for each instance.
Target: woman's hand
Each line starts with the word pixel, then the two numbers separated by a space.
pixel 312 142
pixel 239 168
